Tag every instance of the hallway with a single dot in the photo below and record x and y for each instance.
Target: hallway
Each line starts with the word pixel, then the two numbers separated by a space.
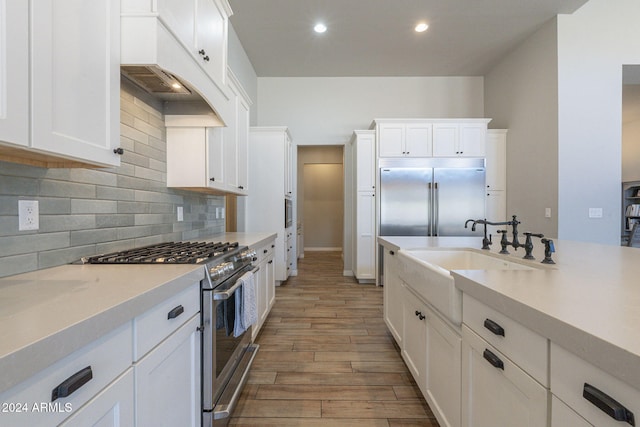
pixel 327 359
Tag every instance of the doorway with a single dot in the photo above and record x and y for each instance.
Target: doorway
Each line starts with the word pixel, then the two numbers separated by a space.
pixel 321 197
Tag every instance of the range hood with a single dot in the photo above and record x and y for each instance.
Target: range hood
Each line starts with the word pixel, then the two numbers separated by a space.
pixel 155 80
pixel 152 58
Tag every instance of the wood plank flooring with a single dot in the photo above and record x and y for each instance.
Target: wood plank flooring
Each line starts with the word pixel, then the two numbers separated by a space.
pixel 327 359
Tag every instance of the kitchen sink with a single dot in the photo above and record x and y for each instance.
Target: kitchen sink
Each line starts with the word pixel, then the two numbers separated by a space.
pixel 427 272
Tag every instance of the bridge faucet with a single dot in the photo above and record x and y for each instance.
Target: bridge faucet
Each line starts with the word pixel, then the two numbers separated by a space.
pixel 528 244
pixel 486 242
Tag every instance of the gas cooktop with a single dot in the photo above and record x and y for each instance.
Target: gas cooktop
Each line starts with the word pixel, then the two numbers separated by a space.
pixel 167 253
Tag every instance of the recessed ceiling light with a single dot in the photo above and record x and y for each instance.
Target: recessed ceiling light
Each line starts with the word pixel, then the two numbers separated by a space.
pixel 421 27
pixel 320 28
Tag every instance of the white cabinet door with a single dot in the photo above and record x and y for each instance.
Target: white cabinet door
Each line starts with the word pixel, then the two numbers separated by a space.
pixel 75 73
pixel 414 347
pixel 418 140
pixel 393 291
pixel 365 162
pixel 242 125
pixel 14 72
pixel 445 140
pixel 496 150
pixel 211 38
pixel 563 416
pixel 112 407
pixel 167 380
pixel 473 140
pixel 496 392
pixel 260 281
pixel 365 235
pixel 214 156
pixel 496 206
pixel 405 139
pixel 444 353
pixel 391 140
pixel 271 282
pixel 459 139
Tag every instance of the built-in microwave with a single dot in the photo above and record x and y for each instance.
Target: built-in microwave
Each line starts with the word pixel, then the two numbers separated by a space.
pixel 288 213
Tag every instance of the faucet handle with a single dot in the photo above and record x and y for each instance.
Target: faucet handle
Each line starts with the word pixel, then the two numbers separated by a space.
pixel 504 242
pixel 549 248
pixel 528 244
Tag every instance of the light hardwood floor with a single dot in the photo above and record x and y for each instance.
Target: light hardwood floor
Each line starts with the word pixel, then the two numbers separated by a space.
pixel 327 359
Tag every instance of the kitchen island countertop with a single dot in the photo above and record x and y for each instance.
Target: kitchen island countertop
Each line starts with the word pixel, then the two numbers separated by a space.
pixel 589 303
pixel 48 314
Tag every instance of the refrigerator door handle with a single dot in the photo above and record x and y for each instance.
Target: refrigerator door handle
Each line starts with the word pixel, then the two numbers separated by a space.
pixel 436 209
pixel 429 209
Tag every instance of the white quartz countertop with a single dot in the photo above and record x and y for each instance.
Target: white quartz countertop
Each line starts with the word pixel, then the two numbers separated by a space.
pixel 46 315
pixel 589 303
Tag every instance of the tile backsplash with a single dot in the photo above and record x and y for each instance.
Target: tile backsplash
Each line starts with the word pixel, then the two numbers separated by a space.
pixel 89 211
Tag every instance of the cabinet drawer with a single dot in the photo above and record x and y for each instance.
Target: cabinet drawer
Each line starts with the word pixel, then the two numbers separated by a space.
pixel 563 416
pixel 158 323
pixel 496 392
pixel 265 252
pixel 569 374
pixel 107 358
pixel 525 347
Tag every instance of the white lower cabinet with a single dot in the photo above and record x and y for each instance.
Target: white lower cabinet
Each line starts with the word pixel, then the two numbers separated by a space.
pixel 414 348
pixel 496 392
pixel 112 407
pixel 393 301
pixel 167 380
pixel 563 416
pixel 598 397
pixel 61 390
pixel 265 284
pixel 444 350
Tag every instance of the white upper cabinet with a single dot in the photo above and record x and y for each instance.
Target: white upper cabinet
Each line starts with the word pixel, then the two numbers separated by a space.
pixel 431 137
pixel 14 72
pixel 202 27
pixel 236 139
pixel 74 63
pixel 76 79
pixel 405 139
pixel 496 159
pixel 462 139
pixel 365 157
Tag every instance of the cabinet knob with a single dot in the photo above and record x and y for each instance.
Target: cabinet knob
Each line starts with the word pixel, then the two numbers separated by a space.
pixel 119 151
pixel 212 179
pixel 241 187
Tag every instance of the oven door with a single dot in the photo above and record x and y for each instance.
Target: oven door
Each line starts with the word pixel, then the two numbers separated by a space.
pixel 225 358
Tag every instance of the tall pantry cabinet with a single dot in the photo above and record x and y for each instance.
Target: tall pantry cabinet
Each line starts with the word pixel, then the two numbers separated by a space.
pixel 364 212
pixel 272 177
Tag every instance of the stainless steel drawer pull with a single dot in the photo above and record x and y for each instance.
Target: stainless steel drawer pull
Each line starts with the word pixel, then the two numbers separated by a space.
pixel 607 404
pixel 71 384
pixel 175 312
pixel 493 327
pixel 493 359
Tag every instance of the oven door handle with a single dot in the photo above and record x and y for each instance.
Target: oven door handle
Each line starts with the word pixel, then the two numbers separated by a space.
pixel 223 295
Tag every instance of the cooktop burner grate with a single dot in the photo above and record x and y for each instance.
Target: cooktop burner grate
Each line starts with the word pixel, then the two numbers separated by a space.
pixel 166 253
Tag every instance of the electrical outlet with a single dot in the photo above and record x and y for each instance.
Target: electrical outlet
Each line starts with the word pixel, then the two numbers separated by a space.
pixel 547 212
pixel 221 213
pixel 28 215
pixel 595 212
pixel 180 213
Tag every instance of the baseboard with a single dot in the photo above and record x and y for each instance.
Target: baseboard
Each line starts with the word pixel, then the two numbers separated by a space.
pixel 348 273
pixel 322 249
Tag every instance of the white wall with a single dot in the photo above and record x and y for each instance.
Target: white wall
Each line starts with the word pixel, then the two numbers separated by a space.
pixel 521 95
pixel 326 110
pixel 593 44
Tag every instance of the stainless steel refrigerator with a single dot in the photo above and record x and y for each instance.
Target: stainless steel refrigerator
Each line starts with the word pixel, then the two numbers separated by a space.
pixel 431 197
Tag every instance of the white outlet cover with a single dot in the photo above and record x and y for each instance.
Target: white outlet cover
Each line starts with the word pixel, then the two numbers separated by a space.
pixel 180 213
pixel 28 215
pixel 595 212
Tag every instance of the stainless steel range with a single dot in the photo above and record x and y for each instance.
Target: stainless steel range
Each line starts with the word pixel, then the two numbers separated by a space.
pixel 227 350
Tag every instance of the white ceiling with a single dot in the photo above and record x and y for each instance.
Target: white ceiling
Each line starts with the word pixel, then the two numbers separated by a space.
pixel 376 37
